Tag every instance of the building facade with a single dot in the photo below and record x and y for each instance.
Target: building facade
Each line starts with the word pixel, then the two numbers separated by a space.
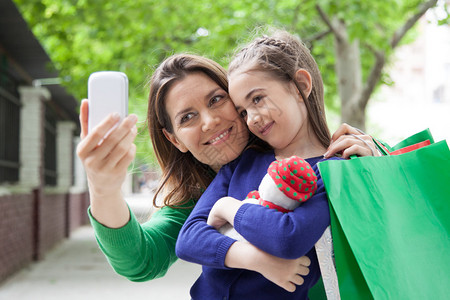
pixel 43 194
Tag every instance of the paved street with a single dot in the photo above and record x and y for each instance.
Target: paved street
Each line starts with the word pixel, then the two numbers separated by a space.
pixel 76 269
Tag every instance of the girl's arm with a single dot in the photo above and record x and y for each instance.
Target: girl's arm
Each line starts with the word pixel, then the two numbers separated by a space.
pixel 203 244
pixel 143 252
pixel 198 242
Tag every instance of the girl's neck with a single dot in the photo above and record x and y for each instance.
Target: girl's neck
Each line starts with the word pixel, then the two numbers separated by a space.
pixel 306 147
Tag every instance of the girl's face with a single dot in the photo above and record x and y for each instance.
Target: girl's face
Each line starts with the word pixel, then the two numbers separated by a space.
pixel 205 121
pixel 274 110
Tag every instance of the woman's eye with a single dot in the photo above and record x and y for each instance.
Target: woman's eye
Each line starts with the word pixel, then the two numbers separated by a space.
pixel 186 118
pixel 215 99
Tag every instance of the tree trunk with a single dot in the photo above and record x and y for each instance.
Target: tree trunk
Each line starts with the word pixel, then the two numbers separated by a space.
pixel 348 70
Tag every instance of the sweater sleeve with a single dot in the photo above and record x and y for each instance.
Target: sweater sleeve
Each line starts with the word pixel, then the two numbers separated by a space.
pixel 142 252
pixel 198 242
pixel 287 235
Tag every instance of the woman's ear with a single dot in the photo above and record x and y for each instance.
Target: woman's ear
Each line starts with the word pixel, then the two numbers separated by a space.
pixel 173 139
pixel 304 81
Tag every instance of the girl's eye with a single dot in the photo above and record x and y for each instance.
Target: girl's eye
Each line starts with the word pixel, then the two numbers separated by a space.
pixel 243 114
pixel 186 117
pixel 257 99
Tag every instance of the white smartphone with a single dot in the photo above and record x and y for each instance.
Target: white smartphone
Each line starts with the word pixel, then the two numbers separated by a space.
pixel 107 93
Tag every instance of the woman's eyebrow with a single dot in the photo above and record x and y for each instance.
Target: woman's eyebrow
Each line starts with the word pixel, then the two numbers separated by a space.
pixel 207 97
pixel 211 93
pixel 182 112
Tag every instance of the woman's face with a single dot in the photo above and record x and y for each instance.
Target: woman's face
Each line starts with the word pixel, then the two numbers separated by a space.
pixel 205 121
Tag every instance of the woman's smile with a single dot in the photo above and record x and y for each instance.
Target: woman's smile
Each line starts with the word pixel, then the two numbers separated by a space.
pixel 220 137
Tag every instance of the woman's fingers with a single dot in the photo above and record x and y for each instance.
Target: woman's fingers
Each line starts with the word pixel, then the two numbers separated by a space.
pixel 97 157
pixel 84 114
pixel 344 129
pixel 349 140
pixel 361 145
pixel 127 158
pixel 93 139
pixel 122 148
pixel 356 150
pixel 115 137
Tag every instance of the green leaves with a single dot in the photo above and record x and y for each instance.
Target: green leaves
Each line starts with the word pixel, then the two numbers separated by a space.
pixel 84 36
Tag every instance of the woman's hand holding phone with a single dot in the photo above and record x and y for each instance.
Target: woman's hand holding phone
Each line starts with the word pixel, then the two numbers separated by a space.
pixel 106 164
pixel 106 150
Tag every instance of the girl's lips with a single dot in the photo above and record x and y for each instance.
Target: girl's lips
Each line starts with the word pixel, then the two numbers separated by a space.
pixel 223 136
pixel 266 129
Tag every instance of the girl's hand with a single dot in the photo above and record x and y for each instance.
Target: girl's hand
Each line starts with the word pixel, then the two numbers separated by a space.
pixel 223 212
pixel 286 273
pixel 349 140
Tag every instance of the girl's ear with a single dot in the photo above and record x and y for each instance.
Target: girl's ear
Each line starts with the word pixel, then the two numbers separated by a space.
pixel 174 140
pixel 304 80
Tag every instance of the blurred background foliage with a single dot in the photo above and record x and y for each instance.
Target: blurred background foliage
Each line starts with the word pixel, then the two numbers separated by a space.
pixel 84 36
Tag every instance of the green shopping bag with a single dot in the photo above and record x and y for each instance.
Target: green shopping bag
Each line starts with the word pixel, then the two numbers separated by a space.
pixel 414 139
pixel 390 224
pixel 424 135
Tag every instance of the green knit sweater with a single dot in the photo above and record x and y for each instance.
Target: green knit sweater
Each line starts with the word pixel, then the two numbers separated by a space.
pixel 145 251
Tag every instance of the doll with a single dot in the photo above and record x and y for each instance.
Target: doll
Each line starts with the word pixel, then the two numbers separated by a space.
pixel 287 184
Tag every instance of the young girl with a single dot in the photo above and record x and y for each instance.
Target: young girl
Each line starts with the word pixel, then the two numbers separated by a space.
pixel 277 88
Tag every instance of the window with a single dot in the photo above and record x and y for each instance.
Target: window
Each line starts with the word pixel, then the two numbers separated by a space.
pixel 9 125
pixel 50 146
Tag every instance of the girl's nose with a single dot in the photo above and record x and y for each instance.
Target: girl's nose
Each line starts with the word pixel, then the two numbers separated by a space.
pixel 253 118
pixel 210 121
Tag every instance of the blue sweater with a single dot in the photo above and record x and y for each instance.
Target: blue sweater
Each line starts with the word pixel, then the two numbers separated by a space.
pixel 287 235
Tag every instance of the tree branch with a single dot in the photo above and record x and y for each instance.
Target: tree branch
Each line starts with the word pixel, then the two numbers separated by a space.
pixel 309 42
pixel 400 33
pixel 380 56
pixel 317 36
pixel 372 79
pixel 327 21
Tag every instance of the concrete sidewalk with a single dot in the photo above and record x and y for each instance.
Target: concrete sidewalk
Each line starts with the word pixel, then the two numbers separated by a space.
pixel 77 269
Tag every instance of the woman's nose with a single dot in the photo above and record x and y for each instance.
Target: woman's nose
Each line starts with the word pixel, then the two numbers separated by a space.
pixel 210 121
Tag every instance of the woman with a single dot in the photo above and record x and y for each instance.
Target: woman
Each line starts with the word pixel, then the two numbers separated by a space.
pixel 184 88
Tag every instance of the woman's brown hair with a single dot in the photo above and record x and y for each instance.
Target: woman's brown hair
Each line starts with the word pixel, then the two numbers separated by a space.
pixel 183 177
pixel 282 55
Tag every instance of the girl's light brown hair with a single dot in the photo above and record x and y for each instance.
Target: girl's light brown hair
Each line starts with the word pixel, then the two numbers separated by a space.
pixel 183 177
pixel 281 54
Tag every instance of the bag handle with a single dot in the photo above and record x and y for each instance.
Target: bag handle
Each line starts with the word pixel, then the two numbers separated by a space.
pixel 381 147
